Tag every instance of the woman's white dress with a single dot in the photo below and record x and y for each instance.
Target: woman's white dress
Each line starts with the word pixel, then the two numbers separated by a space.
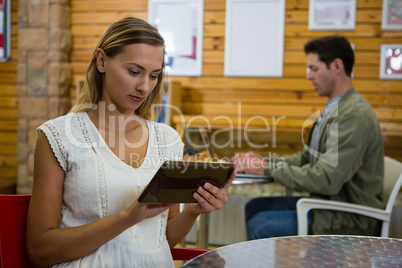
pixel 98 183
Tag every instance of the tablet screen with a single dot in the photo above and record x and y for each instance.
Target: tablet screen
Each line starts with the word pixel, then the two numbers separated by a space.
pixel 176 181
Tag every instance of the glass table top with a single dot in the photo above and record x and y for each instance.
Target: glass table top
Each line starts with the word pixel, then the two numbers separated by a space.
pixel 305 251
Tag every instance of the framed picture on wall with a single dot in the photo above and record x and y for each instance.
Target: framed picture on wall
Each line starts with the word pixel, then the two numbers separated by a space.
pixel 332 15
pixel 391 62
pixel 171 102
pixel 180 22
pixel 392 15
pixel 5 31
pixel 254 38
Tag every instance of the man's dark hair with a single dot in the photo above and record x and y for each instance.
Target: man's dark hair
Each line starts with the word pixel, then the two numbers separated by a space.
pixel 331 47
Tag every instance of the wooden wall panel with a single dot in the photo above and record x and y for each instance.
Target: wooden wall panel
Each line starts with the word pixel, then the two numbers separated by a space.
pixel 8 111
pixel 292 95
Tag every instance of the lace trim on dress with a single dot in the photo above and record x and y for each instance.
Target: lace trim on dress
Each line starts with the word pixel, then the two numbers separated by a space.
pixel 101 169
pixel 161 155
pixel 63 157
pixel 102 185
pixel 180 152
pixel 84 130
pixel 159 142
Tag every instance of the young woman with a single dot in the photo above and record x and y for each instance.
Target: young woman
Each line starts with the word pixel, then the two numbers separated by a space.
pixel 92 164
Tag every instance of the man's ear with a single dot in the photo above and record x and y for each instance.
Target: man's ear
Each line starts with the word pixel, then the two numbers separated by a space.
pixel 338 65
pixel 100 60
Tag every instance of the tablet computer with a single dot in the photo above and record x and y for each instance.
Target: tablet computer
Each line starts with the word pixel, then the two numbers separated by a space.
pixel 176 181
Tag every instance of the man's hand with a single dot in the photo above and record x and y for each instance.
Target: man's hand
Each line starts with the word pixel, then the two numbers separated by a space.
pixel 250 162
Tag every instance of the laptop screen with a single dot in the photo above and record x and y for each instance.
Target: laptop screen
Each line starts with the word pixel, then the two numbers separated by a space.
pixel 207 142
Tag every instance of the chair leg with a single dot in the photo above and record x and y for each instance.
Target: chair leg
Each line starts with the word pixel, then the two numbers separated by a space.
pixel 385 229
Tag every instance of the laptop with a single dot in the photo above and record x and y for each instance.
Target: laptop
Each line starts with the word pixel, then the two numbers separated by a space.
pixel 241 178
pixel 207 142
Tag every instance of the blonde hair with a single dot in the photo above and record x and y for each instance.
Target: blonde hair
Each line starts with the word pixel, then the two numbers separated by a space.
pixel 120 34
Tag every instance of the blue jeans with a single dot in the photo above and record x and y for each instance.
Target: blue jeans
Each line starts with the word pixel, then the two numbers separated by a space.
pixel 272 217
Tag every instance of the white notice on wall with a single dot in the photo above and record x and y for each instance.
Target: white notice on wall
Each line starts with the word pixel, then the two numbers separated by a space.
pixel 254 38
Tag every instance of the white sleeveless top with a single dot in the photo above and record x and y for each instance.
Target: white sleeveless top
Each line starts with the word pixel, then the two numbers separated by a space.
pixel 98 184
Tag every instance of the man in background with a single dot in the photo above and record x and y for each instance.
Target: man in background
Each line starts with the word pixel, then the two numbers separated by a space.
pixel 344 160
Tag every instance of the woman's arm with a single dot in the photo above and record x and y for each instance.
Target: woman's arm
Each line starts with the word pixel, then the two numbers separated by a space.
pixel 209 198
pixel 47 243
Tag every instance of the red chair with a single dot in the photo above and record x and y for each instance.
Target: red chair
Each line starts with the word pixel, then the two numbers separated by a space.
pixel 13 217
pixel 185 254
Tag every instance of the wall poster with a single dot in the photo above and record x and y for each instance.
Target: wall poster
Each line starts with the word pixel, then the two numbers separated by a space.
pixel 254 38
pixel 180 22
pixel 391 62
pixel 392 15
pixel 5 35
pixel 332 15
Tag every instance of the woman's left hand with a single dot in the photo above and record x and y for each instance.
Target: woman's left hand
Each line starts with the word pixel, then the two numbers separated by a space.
pixel 210 197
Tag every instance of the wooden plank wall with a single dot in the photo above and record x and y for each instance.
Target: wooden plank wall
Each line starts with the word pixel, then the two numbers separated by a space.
pixel 292 96
pixel 8 111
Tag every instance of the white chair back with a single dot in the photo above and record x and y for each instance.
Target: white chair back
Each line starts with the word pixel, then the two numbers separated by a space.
pixel 392 181
pixel 392 185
